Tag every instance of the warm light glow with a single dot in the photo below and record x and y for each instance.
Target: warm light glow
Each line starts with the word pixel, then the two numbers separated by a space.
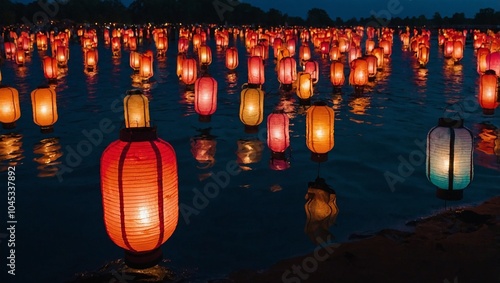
pixel 255 70
pixel 50 68
pixel 10 111
pixel 287 71
pixel 278 136
pixel 136 110
pixel 189 71
pixel 205 96
pixel 205 55
pixel 43 102
pixel 304 86
pixel 488 92
pixel 252 106
pixel 320 128
pixel 337 77
pixel 231 58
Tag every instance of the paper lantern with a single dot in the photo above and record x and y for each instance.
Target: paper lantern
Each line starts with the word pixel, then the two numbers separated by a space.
pixel 251 107
pixel 277 45
pixel 62 56
pixel 335 53
pixel 290 45
pixel 204 55
pixel 278 132
pixel 320 131
pixel 116 46
pixel 312 67
pixel 255 71
pixel 161 46
pixel 132 44
pixel 353 53
pixel 379 53
pixel 481 59
pixel 180 58
pixel 304 86
pixel 20 57
pixel 139 187
pixel 231 58
pixel 136 109
pixel 369 46
pixel 10 111
pixel 91 59
pixel 337 77
pixel 41 42
pixel 287 71
pixel 196 41
pixel 448 49
pixel 386 45
pixel 135 61
pixel 182 45
pixel 494 62
pixel 205 97
pixel 50 68
pixel 260 51
pixel 423 55
pixel 324 48
pixel 321 209
pixel 146 67
pixel 44 105
pixel 304 53
pixel 371 61
pixel 189 71
pixel 10 50
pixel 458 51
pixel 449 162
pixel 488 92
pixel 359 73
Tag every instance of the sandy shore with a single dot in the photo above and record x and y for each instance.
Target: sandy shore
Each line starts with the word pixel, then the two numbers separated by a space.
pixel 456 246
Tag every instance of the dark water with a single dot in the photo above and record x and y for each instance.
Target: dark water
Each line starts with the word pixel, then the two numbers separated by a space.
pixel 259 217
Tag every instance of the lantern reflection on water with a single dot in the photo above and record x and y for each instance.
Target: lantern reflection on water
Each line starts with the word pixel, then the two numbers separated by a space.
pixel 321 210
pixel 203 148
pixel 249 151
pixel 49 151
pixel 11 152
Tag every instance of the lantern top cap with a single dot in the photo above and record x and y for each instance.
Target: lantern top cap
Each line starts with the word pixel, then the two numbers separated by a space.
pixel 490 72
pixel 451 123
pixel 320 103
pixel 134 92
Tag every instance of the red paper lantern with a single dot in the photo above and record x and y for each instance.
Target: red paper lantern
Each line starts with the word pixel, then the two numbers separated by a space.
pixel 287 71
pixel 91 59
pixel 204 55
pixel 494 62
pixel 231 58
pixel 304 53
pixel 369 46
pixel 205 97
pixel 255 70
pixel 146 68
pixel 458 50
pixel 488 92
pixel 359 72
pixel 189 71
pixel 135 61
pixel 371 61
pixel 481 57
pixel 379 53
pixel 182 45
pixel 335 53
pixel 312 67
pixel 50 68
pixel 278 133
pixel 62 56
pixel 448 49
pixel 387 46
pixel 139 187
pixel 20 57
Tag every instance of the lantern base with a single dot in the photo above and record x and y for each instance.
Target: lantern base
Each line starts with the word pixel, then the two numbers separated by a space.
pixel 9 126
pixel 47 130
pixel 205 118
pixel 319 157
pixel 449 194
pixel 251 129
pixel 488 112
pixel 143 260
pixel 287 87
pixel 304 102
pixel 138 134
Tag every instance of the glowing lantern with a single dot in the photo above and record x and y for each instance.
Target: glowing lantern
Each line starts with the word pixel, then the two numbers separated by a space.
pixel 371 61
pixel 481 57
pixel 320 131
pixel 387 46
pixel 251 107
pixel 379 53
pixel 50 68
pixel 161 46
pixel 337 77
pixel 312 67
pixel 449 163
pixel 290 45
pixel 231 58
pixel 20 57
pixel 321 210
pixel 146 67
pixel 135 61
pixel 369 46
pixel 358 76
pixel 10 111
pixel 43 103
pixel 183 45
pixel 189 71
pixel 139 187
pixel 458 51
pixel 196 41
pixel 278 133
pixel 62 56
pixel 324 48
pixel 205 97
pixel 277 44
pixel 423 55
pixel 136 110
pixel 180 58
pixel 116 46
pixel 287 71
pixel 260 51
pixel 448 49
pixel 204 55
pixel 488 92
pixel 304 86
pixel 41 41
pixel 10 50
pixel 335 53
pixel 255 71
pixel 304 53
pixel 494 62
pixel 132 43
pixel 353 53
pixel 91 59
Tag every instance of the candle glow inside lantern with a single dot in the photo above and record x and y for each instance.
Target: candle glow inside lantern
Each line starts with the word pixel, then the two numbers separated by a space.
pixel 449 162
pixel 320 131
pixel 44 106
pixel 10 111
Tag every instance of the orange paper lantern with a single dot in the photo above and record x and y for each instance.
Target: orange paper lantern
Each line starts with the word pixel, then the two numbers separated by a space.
pixel 320 130
pixel 10 111
pixel 43 103
pixel 189 71
pixel 488 92
pixel 231 58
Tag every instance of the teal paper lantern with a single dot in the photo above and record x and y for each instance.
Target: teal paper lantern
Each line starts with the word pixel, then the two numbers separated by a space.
pixel 449 158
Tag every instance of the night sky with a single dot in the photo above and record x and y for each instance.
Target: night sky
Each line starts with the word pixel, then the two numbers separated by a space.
pixel 347 9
